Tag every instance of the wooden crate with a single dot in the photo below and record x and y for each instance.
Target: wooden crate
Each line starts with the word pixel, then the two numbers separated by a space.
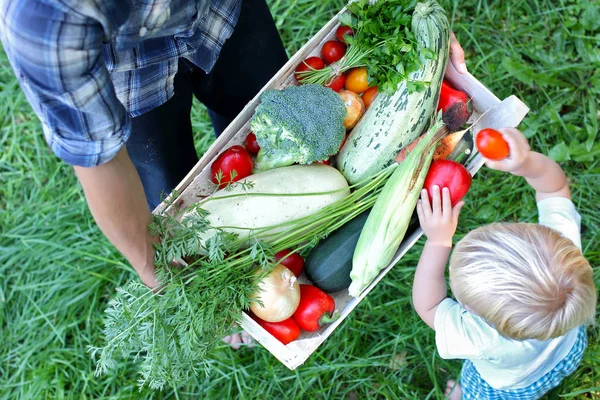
pixel 196 184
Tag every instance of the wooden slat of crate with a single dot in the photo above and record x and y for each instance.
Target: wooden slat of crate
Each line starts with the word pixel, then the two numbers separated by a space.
pixel 197 185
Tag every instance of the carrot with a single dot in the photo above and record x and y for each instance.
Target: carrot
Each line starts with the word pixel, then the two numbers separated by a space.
pixel 442 151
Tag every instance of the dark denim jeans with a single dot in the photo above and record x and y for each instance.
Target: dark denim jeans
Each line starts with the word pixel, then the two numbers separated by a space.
pixel 161 144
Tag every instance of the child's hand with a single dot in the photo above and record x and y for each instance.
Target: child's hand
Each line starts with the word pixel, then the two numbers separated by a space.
pixel 519 151
pixel 438 220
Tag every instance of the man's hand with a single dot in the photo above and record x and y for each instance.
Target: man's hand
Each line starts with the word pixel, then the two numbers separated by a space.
pixel 438 220
pixel 457 55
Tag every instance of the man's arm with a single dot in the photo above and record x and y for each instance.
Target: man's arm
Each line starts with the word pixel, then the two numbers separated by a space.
pixel 116 199
pixel 57 57
pixel 543 174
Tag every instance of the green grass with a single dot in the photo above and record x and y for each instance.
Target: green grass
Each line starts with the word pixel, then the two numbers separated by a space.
pixel 57 271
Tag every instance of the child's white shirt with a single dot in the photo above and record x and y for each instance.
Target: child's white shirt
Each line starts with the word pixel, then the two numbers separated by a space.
pixel 505 363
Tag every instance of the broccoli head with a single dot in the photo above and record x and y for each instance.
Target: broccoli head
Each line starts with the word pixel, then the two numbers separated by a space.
pixel 299 124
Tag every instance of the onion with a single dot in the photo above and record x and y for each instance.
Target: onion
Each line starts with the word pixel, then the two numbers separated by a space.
pixel 279 292
pixel 355 108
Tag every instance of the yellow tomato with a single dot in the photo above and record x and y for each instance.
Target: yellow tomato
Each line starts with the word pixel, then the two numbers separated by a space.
pixel 356 80
pixel 369 95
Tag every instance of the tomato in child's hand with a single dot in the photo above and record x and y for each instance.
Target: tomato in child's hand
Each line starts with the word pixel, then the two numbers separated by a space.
pixel 356 81
pixel 491 144
pixel 342 32
pixel 251 144
pixel 337 83
pixel 294 262
pixel 308 64
pixel 450 174
pixel 333 51
pixel 369 95
pixel 234 161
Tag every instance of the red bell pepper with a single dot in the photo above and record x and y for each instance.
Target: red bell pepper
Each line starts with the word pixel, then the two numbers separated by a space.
pixel 450 174
pixel 285 331
pixel 450 97
pixel 315 309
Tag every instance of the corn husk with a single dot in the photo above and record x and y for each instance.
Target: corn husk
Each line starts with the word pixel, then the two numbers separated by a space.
pixel 389 219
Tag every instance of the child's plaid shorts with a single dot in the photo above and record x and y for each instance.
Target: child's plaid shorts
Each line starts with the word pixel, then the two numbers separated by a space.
pixel 474 387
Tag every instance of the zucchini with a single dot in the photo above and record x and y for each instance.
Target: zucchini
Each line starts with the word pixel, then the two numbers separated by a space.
pixel 276 196
pixel 393 121
pixel 329 263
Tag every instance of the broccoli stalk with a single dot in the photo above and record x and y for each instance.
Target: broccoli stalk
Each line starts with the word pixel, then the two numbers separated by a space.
pixel 299 124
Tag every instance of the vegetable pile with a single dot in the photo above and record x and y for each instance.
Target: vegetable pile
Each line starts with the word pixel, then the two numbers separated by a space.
pixel 321 191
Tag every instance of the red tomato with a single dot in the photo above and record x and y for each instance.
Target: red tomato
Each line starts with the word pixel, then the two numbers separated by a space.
pixel 309 63
pixel 332 51
pixel 337 83
pixel 343 31
pixel 285 331
pixel 324 162
pixel 294 262
pixel 369 95
pixel 450 174
pixel 491 144
pixel 235 158
pixel 251 144
pixel 315 308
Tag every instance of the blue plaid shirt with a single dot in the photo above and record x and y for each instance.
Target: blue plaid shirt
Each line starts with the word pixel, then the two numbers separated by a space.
pixel 87 66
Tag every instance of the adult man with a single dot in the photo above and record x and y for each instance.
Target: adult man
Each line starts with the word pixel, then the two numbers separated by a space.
pixel 112 84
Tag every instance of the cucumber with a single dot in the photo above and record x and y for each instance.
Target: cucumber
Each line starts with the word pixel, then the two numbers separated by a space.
pixel 394 121
pixel 328 264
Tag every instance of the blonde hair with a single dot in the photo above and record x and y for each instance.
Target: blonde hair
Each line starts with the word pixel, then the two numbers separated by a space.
pixel 526 280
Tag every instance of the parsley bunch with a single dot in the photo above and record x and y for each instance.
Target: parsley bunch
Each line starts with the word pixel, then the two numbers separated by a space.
pixel 382 42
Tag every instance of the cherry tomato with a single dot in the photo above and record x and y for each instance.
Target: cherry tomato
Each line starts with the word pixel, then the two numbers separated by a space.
pixel 324 162
pixel 337 83
pixel 332 51
pixel 309 63
pixel 343 31
pixel 315 309
pixel 450 174
pixel 251 144
pixel 285 331
pixel 235 158
pixel 356 81
pixel 491 144
pixel 294 262
pixel 369 95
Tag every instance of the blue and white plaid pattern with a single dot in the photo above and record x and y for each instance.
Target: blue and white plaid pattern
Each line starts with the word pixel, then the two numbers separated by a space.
pixel 475 388
pixel 86 66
